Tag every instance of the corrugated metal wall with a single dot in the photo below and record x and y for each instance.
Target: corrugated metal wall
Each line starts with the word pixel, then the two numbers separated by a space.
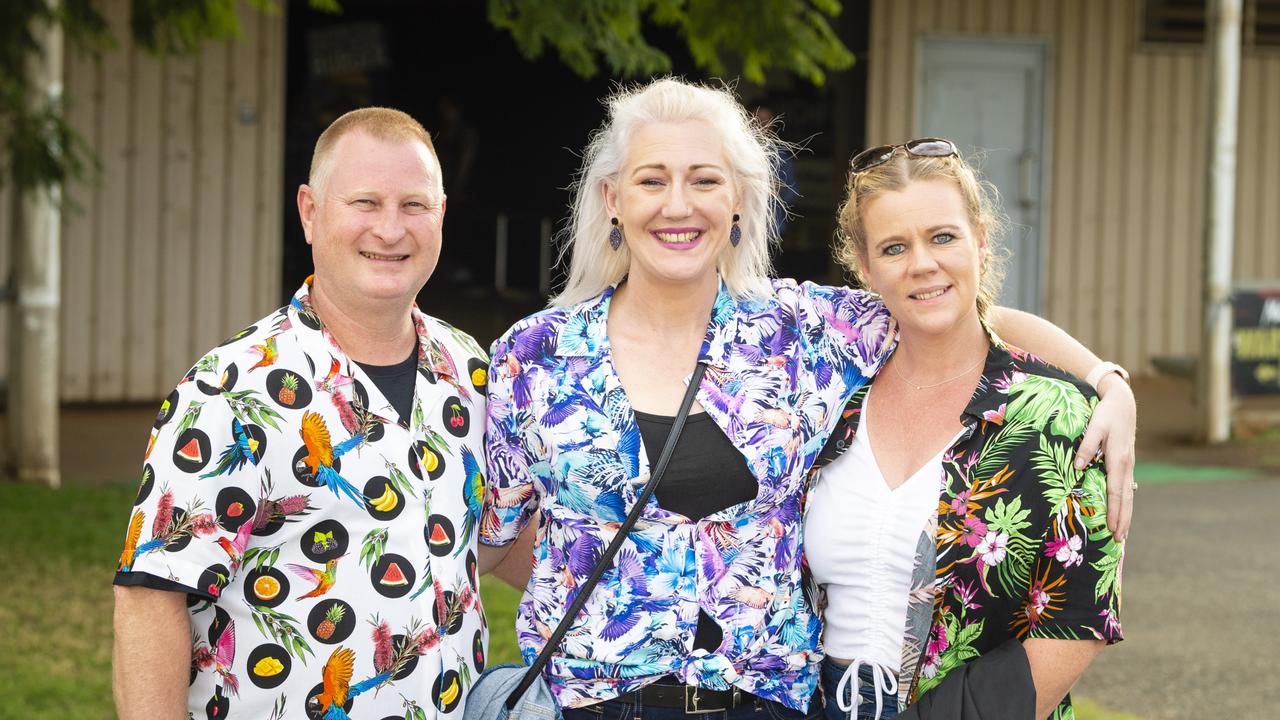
pixel 1127 127
pixel 178 243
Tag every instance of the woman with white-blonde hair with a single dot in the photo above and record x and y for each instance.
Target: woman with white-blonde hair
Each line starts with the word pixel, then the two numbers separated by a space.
pixel 701 610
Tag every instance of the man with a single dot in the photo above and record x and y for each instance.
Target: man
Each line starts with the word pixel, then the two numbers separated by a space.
pixel 303 540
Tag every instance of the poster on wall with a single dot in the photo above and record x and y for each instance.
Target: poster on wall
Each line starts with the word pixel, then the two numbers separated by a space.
pixel 1255 340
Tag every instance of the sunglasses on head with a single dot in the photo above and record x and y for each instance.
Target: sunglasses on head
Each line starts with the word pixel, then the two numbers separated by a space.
pixel 920 147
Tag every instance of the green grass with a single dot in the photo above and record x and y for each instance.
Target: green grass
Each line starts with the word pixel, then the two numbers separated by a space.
pixel 500 600
pixel 55 612
pixel 1086 710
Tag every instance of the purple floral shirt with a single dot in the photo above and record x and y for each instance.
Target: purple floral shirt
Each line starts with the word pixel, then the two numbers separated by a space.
pixel 562 436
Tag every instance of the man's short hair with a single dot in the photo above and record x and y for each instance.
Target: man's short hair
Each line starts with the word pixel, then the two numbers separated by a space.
pixel 381 123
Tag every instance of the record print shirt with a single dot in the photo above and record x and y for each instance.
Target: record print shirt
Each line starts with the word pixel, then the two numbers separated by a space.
pixel 327 551
pixel 562 436
pixel 1019 546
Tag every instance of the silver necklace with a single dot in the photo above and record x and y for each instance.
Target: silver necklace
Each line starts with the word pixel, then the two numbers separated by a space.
pixel 944 382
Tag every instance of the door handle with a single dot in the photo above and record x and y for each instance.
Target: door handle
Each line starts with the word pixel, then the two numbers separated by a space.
pixel 1026 181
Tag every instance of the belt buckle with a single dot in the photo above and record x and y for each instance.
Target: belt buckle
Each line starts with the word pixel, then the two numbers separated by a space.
pixel 691 708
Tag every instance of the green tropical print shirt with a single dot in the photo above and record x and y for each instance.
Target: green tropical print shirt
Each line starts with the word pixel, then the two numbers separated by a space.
pixel 1020 545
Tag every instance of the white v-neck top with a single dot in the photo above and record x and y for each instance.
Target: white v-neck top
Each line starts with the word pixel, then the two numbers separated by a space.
pixel 860 539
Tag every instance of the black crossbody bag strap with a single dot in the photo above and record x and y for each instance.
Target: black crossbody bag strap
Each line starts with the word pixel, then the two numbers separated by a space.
pixel 584 590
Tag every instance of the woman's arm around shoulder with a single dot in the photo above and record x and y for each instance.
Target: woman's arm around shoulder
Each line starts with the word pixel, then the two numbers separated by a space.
pixel 1113 427
pixel 851 327
pixel 1072 608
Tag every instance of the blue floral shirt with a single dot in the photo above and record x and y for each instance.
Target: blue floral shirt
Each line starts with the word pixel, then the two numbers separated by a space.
pixel 562 436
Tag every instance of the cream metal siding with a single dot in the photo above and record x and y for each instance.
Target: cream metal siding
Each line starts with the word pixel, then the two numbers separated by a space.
pixel 177 243
pixel 1126 133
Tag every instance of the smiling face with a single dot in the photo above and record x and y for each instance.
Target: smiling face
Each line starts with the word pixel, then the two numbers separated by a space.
pixel 674 199
pixel 924 256
pixel 375 225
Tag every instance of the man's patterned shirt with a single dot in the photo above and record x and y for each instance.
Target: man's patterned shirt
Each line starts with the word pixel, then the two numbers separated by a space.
pixel 323 545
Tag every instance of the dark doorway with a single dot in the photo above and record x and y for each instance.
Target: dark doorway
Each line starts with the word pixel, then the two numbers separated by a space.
pixel 508 132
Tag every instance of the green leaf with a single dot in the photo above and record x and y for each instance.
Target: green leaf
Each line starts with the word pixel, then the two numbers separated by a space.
pixel 949 661
pixel 753 36
pixel 969 633
pixel 1007 516
pixel 189 416
pixel 996 451
pixel 1054 462
pixel 1094 496
pixel 1013 575
pixel 1056 633
pixel 269 417
pixel 1108 567
pixel 399 479
pixel 468 343
pixel 1048 401
pixel 967 653
pixel 250 555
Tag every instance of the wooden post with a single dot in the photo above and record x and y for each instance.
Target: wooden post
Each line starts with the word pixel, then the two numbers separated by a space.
pixel 33 376
pixel 1224 18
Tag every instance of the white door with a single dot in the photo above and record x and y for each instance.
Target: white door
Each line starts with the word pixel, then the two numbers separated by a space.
pixel 988 96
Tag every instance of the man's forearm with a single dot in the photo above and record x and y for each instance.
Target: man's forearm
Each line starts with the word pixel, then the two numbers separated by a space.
pixel 151 658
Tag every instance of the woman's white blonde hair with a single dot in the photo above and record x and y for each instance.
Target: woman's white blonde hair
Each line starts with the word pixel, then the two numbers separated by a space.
pixel 752 153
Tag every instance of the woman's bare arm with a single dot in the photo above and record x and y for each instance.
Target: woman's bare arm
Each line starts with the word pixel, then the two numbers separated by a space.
pixel 1056 665
pixel 1114 424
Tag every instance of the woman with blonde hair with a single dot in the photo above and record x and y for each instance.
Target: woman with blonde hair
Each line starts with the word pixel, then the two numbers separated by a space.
pixel 945 521
pixel 702 608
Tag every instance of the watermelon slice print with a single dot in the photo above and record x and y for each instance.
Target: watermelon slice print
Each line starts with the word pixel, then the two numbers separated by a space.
pixel 191 451
pixel 393 575
pixel 439 536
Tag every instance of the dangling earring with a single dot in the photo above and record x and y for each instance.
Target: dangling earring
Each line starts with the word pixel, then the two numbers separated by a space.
pixel 735 232
pixel 615 235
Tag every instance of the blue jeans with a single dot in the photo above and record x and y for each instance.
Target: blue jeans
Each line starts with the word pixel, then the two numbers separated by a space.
pixel 866 708
pixel 753 708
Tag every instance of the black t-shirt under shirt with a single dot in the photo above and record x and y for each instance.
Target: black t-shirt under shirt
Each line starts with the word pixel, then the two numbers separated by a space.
pixel 396 382
pixel 706 474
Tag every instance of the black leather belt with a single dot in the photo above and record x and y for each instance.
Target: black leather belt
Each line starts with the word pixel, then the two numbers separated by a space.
pixel 692 699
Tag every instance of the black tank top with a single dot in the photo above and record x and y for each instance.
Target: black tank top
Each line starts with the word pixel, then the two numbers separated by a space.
pixel 706 474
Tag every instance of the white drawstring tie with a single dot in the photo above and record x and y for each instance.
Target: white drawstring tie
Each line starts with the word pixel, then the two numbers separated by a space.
pixel 886 682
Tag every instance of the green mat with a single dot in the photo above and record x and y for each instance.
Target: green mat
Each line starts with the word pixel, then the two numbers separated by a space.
pixel 1154 472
